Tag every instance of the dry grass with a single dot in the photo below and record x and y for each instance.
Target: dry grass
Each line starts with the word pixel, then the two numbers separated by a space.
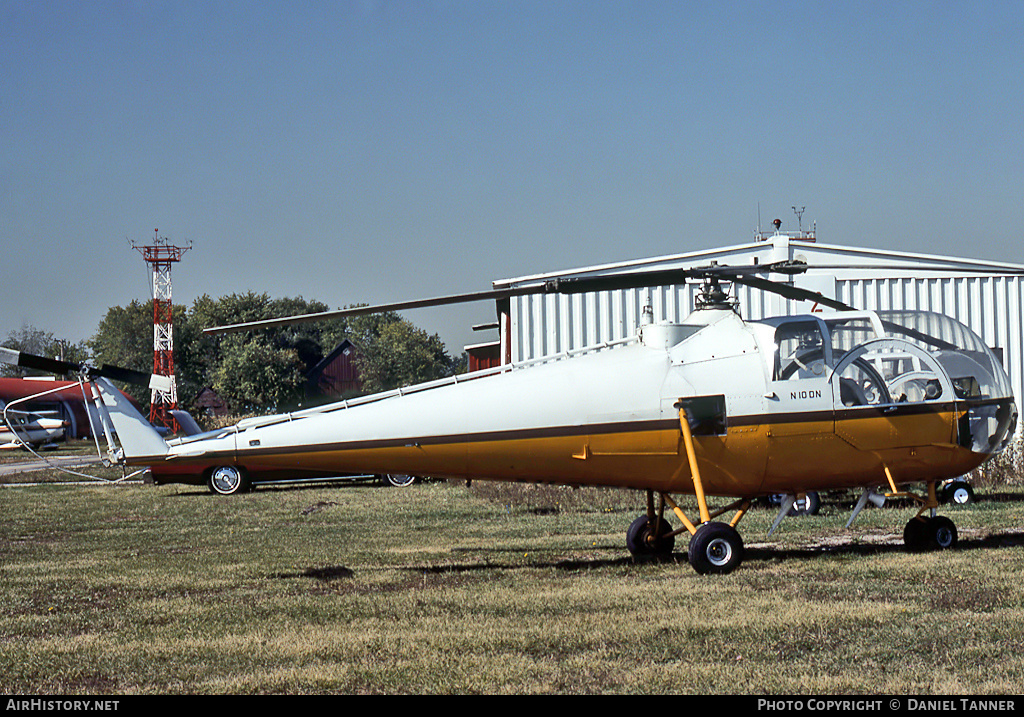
pixel 439 589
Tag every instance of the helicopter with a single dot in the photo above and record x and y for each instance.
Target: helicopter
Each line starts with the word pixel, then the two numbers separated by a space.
pixel 716 407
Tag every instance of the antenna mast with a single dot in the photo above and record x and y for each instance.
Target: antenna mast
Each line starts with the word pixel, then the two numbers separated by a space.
pixel 160 255
pixel 799 218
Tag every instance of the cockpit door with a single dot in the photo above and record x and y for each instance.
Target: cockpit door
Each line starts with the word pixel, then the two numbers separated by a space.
pixel 799 400
pixel 889 393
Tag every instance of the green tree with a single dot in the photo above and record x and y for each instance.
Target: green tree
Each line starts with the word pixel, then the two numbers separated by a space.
pixel 124 338
pixel 264 370
pixel 393 352
pixel 257 377
pixel 240 366
pixel 37 342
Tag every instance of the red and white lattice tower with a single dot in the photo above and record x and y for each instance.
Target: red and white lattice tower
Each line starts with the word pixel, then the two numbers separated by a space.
pixel 160 255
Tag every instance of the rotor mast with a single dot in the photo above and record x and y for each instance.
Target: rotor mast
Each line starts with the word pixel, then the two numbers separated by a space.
pixel 160 255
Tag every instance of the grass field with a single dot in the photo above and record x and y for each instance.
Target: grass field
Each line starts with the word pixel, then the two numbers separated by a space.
pixel 440 588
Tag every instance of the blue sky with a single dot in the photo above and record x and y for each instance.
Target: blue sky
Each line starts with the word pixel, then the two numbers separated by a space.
pixel 375 151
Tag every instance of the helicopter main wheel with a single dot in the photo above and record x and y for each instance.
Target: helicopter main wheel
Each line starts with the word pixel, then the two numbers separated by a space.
pixel 941 533
pixel 228 480
pixel 642 541
pixel 937 533
pixel 715 548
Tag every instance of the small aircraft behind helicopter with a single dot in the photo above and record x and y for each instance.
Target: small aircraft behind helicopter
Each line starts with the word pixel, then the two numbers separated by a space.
pixel 25 428
pixel 715 407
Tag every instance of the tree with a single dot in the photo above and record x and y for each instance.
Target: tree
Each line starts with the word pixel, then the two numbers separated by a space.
pixel 124 338
pixel 393 352
pixel 256 377
pixel 264 370
pixel 254 371
pixel 35 341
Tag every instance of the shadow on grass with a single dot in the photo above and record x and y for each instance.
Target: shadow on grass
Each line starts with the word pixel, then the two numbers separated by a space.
pixel 323 574
pixel 189 490
pixel 752 554
pixel 765 553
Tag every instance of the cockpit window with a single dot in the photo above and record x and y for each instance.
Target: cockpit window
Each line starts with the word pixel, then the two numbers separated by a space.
pixel 800 351
pixel 972 366
pixel 889 371
pixel 848 333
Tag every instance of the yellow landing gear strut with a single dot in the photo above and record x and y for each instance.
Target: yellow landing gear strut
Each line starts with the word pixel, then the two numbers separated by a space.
pixel 924 532
pixel 714 547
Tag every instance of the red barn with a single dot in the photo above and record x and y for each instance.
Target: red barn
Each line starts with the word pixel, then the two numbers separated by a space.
pixel 486 355
pixel 336 374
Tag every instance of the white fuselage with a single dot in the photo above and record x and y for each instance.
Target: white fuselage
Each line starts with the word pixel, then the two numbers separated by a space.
pixel 612 417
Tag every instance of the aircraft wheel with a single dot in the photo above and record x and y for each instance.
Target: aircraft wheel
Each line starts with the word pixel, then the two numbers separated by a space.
pixel 958 493
pixel 397 480
pixel 641 540
pixel 808 505
pixel 941 533
pixel 228 480
pixel 938 533
pixel 715 548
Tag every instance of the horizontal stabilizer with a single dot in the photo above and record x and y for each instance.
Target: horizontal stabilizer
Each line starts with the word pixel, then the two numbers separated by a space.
pixel 188 424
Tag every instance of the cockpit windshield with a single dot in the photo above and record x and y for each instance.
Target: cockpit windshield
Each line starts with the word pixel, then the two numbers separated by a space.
pixel 972 366
pixel 974 369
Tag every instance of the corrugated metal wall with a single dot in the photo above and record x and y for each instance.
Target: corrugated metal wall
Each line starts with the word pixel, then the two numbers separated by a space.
pixel 548 325
pixel 552 324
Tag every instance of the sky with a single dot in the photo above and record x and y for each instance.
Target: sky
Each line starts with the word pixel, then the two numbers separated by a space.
pixel 369 151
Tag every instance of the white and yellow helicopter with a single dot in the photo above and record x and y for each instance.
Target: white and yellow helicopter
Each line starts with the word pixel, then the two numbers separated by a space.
pixel 715 407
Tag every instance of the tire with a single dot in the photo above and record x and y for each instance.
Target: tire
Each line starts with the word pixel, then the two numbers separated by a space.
pixel 958 493
pixel 716 548
pixel 397 480
pixel 938 533
pixel 641 541
pixel 941 533
pixel 228 480
pixel 809 505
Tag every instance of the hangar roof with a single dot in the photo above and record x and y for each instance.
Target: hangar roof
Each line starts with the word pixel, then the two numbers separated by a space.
pixel 824 259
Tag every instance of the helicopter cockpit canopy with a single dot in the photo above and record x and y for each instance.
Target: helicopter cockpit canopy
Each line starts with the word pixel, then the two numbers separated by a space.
pixel 975 370
pixel 807 345
pixel 900 357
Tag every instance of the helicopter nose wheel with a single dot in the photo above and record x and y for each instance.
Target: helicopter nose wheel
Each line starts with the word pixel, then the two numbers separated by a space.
pixel 935 533
pixel 716 548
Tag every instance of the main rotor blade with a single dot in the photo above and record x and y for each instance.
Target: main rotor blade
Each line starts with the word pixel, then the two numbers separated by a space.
pixel 937 266
pixel 557 285
pixel 791 292
pixel 744 274
pixel 561 285
pixel 671 277
pixel 361 310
